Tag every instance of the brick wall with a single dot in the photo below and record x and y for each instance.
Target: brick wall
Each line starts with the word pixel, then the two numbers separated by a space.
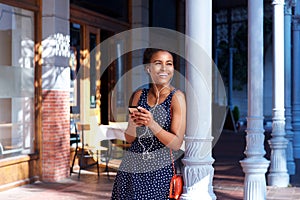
pixel 55 135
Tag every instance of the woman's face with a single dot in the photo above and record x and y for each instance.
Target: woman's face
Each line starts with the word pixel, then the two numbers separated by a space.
pixel 161 68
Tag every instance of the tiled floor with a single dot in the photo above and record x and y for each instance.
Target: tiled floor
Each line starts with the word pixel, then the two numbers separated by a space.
pixel 228 180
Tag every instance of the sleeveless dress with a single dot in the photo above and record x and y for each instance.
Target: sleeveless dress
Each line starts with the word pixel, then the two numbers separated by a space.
pixel 146 169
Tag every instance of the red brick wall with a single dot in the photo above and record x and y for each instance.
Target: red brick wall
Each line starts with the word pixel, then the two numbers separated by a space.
pixel 55 135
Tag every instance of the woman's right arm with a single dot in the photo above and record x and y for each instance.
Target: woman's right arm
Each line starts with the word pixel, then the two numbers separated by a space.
pixel 130 132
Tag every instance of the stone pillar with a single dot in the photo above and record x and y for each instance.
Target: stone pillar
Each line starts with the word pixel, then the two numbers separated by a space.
pixel 278 175
pixel 296 88
pixel 198 170
pixel 255 165
pixel 55 141
pixel 287 85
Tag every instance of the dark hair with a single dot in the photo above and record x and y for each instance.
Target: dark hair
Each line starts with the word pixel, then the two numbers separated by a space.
pixel 148 53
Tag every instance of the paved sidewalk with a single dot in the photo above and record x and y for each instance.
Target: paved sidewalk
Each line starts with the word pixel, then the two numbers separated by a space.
pixel 227 186
pixel 228 180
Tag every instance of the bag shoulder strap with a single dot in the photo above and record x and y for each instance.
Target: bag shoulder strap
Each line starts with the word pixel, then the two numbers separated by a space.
pixel 173 164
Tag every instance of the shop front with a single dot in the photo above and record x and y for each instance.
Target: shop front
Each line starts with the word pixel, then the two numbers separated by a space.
pixel 49 78
pixel 19 110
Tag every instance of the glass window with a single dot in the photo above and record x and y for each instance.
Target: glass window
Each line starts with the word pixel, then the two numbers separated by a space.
pixel 74 62
pixel 16 81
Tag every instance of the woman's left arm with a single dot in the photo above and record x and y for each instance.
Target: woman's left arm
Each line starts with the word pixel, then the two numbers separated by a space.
pixel 174 138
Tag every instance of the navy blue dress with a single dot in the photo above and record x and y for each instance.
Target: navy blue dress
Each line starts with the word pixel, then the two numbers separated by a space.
pixel 146 169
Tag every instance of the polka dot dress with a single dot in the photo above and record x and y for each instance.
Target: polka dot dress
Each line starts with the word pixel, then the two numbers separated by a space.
pixel 146 169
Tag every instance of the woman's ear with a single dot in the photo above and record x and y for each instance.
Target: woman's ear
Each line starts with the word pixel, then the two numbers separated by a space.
pixel 148 69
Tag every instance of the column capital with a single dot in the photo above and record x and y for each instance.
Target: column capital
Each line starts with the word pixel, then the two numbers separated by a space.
pixel 296 22
pixel 288 7
pixel 290 3
pixel 278 2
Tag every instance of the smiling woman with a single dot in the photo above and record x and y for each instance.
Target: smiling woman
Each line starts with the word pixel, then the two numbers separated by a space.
pixel 161 68
pixel 154 131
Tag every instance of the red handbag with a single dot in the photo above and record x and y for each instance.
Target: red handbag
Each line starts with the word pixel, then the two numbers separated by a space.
pixel 176 184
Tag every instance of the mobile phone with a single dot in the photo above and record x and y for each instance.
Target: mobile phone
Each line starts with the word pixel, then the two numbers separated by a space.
pixel 133 109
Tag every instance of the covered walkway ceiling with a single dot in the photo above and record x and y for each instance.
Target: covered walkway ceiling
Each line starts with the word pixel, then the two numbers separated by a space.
pixel 223 4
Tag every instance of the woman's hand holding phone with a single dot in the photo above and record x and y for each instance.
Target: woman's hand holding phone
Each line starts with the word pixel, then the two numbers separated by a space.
pixel 131 128
pixel 132 116
pixel 141 116
pixel 145 118
pixel 136 114
pixel 133 109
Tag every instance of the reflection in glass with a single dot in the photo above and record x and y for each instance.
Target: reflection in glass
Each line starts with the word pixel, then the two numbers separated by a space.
pixel 16 81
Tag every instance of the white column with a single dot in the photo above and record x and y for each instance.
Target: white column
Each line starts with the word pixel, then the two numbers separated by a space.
pixel 278 175
pixel 296 88
pixel 198 170
pixel 255 165
pixel 287 85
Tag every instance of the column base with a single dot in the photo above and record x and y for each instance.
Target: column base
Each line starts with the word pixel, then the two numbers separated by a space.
pixel 255 181
pixel 199 189
pixel 278 179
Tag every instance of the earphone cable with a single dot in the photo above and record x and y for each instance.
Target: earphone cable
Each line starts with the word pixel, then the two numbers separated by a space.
pixel 146 154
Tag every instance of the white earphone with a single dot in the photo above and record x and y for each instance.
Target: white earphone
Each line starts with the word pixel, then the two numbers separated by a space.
pixel 148 70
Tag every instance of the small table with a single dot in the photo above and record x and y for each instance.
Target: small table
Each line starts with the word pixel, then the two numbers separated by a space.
pixel 115 130
pixel 109 132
